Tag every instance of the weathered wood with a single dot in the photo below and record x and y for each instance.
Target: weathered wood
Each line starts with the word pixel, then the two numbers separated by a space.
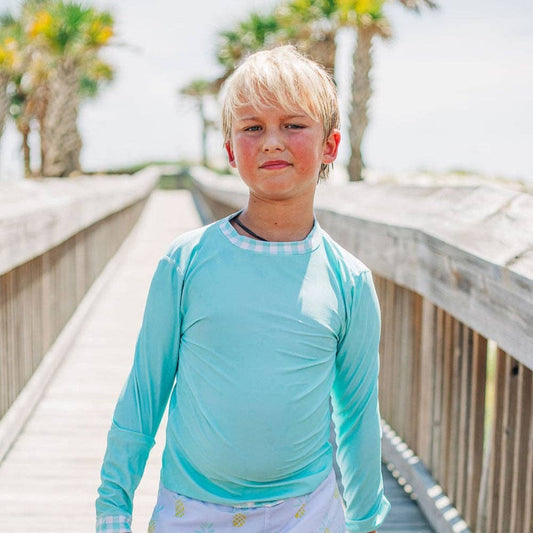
pixel 492 504
pixel 40 294
pixel 441 391
pixel 475 429
pixel 416 326
pixel 464 384
pixel 427 349
pixel 520 473
pixel 441 514
pixel 507 445
pixel 38 215
pixel 528 490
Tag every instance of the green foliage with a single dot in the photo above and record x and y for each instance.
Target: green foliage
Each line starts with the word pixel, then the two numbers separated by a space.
pixel 68 28
pixel 95 75
pixel 45 38
pixel 198 88
pixel 252 34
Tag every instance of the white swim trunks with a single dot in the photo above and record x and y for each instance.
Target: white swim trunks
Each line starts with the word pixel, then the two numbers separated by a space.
pixel 318 512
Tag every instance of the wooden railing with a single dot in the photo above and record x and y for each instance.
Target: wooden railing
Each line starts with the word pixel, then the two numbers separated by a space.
pixel 453 268
pixel 56 235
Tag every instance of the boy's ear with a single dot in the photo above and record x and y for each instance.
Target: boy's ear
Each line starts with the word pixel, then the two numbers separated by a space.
pixel 231 155
pixel 331 147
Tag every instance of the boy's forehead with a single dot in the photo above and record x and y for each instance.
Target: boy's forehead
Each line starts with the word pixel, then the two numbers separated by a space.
pixel 261 109
pixel 253 110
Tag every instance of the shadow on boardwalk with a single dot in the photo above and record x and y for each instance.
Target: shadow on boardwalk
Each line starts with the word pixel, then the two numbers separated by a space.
pixel 48 480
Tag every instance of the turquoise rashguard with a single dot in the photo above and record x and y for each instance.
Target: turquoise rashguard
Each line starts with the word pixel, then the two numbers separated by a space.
pixel 249 339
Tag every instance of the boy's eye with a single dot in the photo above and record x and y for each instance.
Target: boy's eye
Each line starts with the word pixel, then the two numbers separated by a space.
pixel 295 126
pixel 252 128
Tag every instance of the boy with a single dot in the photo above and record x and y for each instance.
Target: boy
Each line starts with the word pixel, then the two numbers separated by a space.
pixel 250 324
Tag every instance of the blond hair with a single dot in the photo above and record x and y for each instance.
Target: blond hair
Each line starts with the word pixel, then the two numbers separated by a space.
pixel 282 77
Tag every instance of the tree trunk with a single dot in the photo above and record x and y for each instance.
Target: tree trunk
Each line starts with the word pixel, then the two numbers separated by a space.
pixel 203 118
pixel 26 151
pixel 41 107
pixel 322 50
pixel 4 100
pixel 60 139
pixel 361 93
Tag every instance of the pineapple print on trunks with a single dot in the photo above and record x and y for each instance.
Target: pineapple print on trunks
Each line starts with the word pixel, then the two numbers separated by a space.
pixel 153 521
pixel 239 520
pixel 179 509
pixel 300 504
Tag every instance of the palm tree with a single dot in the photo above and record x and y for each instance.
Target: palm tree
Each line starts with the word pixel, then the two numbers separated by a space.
pixel 198 90
pixel 310 25
pixel 17 74
pixel 369 20
pixel 254 33
pixel 71 36
pixel 9 57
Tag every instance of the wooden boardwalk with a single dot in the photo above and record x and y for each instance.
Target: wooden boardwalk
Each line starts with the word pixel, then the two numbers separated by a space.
pixel 49 478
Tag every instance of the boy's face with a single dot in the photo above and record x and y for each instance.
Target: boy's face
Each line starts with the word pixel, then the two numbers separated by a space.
pixel 279 153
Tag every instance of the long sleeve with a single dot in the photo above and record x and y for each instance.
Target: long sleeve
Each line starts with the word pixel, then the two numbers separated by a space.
pixel 142 401
pixel 356 411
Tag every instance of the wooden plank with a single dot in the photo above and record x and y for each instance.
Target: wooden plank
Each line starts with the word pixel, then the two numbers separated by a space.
pixel 379 283
pixel 416 335
pixel 11 337
pixel 404 354
pixel 493 491
pixel 455 333
pixel 443 397
pixel 520 474
pixel 441 514
pixel 439 388
pixel 390 345
pixel 508 444
pixel 528 489
pixel 476 425
pixel 465 384
pixel 46 301
pixel 4 380
pixel 37 317
pixel 427 354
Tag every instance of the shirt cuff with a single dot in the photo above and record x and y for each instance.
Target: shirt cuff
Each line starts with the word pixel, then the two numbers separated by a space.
pixel 116 524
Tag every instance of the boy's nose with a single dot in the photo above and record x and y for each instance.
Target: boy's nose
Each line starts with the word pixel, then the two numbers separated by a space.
pixel 272 142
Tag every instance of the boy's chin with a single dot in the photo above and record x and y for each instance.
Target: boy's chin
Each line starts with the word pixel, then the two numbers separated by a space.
pixel 282 192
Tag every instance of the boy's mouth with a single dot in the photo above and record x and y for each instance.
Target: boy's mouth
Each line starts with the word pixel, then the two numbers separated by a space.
pixel 276 164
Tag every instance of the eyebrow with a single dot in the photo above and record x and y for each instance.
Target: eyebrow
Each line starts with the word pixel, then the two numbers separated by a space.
pixel 285 117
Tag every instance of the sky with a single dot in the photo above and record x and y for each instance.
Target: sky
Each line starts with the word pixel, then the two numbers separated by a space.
pixel 453 89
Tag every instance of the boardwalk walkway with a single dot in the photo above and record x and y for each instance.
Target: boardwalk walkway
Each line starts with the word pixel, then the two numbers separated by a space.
pixel 49 478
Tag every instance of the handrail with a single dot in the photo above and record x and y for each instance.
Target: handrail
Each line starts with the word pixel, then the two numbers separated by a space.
pixel 56 236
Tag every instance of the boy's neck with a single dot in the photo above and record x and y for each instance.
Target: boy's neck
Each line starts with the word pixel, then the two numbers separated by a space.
pixel 277 221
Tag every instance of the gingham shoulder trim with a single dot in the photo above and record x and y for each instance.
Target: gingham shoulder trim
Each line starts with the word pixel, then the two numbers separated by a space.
pixel 115 524
pixel 311 242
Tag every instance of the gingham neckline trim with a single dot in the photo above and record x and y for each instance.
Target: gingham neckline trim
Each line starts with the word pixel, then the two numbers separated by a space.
pixel 310 243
